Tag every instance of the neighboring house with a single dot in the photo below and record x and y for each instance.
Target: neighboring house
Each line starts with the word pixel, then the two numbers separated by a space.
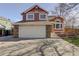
pixel 36 23
pixel 8 25
pixel 2 28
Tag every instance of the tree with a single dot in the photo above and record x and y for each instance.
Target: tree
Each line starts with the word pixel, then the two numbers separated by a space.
pixel 69 11
pixel 65 10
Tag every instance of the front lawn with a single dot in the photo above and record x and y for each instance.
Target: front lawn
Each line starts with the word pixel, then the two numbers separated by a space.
pixel 73 40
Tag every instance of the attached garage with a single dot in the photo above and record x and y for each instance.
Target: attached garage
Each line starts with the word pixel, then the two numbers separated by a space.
pixel 31 31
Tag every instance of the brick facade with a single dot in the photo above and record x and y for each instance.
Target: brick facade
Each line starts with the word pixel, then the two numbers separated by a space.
pixel 48 31
pixel 15 30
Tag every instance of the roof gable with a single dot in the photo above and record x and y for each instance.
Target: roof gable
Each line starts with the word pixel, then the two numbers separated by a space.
pixel 35 7
pixel 53 18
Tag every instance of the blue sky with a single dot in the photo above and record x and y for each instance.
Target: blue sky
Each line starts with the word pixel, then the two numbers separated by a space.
pixel 13 10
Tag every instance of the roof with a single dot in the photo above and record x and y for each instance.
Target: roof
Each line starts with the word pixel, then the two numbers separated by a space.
pixel 51 18
pixel 32 8
pixel 30 21
pixel 35 23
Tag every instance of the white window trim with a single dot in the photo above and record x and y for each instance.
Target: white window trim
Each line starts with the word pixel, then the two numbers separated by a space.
pixel 58 28
pixel 58 23
pixel 29 14
pixel 42 14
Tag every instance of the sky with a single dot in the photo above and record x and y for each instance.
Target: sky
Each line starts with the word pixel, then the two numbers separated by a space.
pixel 13 11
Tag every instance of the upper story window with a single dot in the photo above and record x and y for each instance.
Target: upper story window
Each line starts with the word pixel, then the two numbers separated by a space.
pixel 42 16
pixel 58 26
pixel 30 16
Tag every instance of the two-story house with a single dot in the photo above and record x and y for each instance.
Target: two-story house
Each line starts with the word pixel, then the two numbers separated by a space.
pixel 36 23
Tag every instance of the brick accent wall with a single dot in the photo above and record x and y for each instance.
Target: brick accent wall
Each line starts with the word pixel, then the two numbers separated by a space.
pixel 15 30
pixel 48 31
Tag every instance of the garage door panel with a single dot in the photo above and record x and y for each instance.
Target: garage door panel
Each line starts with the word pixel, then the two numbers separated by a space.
pixel 32 31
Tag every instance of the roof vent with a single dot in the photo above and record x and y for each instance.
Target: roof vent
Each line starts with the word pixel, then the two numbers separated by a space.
pixel 36 7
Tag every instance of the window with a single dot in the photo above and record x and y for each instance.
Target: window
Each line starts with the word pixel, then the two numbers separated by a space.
pixel 58 26
pixel 42 16
pixel 30 16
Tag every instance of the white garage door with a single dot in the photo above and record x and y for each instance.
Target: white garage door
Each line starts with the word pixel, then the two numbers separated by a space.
pixel 32 31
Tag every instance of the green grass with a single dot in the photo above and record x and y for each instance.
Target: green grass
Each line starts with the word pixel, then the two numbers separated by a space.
pixel 74 40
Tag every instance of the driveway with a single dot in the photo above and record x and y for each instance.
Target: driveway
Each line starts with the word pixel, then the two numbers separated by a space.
pixel 39 47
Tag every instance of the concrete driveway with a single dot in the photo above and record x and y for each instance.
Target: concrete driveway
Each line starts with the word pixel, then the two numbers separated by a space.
pixel 38 47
